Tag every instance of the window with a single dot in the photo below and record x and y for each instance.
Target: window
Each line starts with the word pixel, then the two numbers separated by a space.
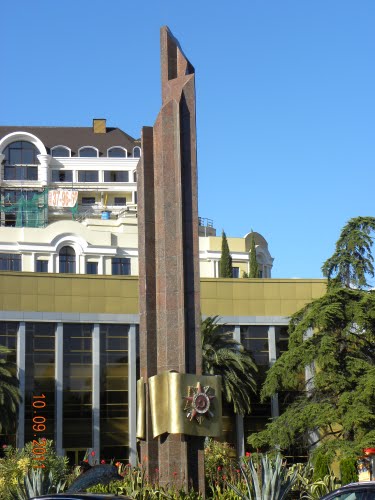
pixel 67 260
pixel 21 153
pixel 88 152
pixel 135 176
pixel 88 176
pixel 91 268
pixel 136 152
pixel 121 265
pixel 235 272
pixel 20 173
pixel 116 176
pixel 87 200
pixel 42 266
pixel 62 176
pixel 18 158
pixel 120 201
pixel 60 152
pixel 116 152
pixel 10 262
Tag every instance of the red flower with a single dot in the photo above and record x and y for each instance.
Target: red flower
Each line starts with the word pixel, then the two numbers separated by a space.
pixel 86 461
pixel 175 474
pixel 219 468
pixel 102 461
pixel 4 446
pixel 248 454
pixel 117 464
pixel 93 453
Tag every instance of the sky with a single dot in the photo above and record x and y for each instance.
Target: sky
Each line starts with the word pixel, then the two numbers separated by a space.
pixel 285 102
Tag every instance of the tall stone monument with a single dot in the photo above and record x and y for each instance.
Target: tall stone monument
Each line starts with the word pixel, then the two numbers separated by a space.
pixel 169 290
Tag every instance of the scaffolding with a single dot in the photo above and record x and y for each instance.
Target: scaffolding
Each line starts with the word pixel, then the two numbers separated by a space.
pixel 24 207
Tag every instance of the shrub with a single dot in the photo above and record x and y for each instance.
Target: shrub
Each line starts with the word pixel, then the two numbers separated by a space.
pixel 348 470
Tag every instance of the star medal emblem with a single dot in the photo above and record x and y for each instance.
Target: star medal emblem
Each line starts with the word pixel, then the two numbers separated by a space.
pixel 198 402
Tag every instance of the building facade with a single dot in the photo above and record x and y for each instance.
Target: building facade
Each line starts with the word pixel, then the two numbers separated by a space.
pixel 69 289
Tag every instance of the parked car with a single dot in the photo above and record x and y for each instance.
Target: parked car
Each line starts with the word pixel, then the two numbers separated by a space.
pixel 353 491
pixel 80 496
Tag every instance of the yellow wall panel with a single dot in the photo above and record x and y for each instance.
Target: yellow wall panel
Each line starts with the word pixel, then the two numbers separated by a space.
pixel 271 290
pixel 208 289
pixel 65 304
pixel 29 302
pixel 46 303
pixel 46 287
pixel 241 291
pixel 119 295
pixel 12 302
pixel 256 289
pixel 63 286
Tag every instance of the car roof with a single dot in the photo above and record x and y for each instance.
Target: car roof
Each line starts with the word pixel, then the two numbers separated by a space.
pixel 350 486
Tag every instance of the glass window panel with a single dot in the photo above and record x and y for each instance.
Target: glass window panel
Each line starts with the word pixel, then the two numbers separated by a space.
pixel 137 152
pixel 88 200
pixel 77 386
pixel 40 376
pixel 67 260
pixel 91 268
pixel 60 152
pixel 88 176
pixel 116 153
pixel 120 201
pixel 116 176
pixel 252 331
pixel 42 266
pixel 121 266
pixel 88 152
pixel 62 176
pixel 10 262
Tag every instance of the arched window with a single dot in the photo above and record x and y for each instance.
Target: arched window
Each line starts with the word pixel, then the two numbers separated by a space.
pixel 60 152
pixel 67 260
pixel 88 152
pixel 21 158
pixel 117 152
pixel 136 152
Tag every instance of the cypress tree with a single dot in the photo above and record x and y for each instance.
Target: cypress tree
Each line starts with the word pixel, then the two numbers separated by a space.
pixel 340 401
pixel 254 270
pixel 226 259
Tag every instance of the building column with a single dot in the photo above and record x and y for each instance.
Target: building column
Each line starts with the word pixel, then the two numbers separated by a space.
pixel 43 172
pixel 132 393
pixel 96 390
pixel 272 355
pixel 1 167
pixel 21 365
pixel 59 360
pixel 240 437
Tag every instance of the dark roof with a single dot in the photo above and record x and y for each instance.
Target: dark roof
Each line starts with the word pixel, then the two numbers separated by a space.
pixel 77 137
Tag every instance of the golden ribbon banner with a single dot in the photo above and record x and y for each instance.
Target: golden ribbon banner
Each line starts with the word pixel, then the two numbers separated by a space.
pixel 168 393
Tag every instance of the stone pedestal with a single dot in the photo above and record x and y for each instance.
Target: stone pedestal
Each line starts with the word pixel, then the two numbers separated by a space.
pixel 168 258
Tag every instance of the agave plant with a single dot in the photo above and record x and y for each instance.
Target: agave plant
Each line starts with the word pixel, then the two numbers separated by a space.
pixel 274 483
pixel 36 483
pixel 309 488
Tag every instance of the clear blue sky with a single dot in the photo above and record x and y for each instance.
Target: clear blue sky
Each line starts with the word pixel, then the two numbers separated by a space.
pixel 285 101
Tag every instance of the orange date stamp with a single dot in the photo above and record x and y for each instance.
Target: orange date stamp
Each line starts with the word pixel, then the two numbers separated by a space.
pixel 39 425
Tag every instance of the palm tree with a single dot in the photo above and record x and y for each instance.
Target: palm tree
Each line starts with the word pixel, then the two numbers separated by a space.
pixel 222 355
pixel 9 393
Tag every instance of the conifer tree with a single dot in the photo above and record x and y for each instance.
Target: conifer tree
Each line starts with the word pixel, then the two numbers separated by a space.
pixel 225 259
pixel 254 269
pixel 338 409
